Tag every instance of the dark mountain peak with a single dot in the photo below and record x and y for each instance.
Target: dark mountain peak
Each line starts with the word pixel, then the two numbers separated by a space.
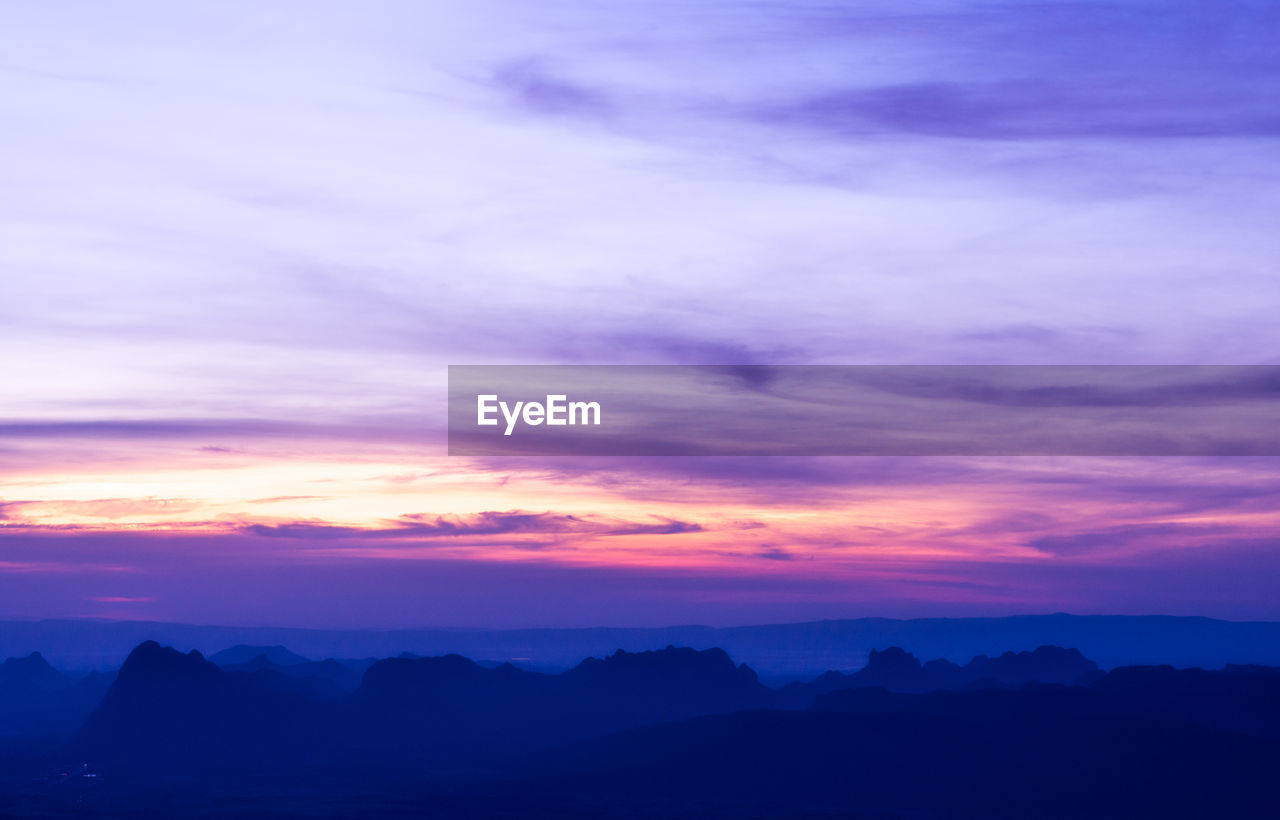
pixel 152 662
pixel 34 662
pixel 260 663
pixel 895 669
pixel 895 658
pixel 421 673
pixel 248 653
pixel 33 658
pixel 451 664
pixel 696 673
pixel 31 672
pixel 172 710
pixel 1045 664
pixel 672 660
pixel 1049 651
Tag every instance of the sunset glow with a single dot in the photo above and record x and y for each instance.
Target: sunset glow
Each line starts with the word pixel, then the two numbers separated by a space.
pixel 239 266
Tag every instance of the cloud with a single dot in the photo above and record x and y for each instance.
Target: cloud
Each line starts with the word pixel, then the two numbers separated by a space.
pixel 730 213
pixel 887 410
pixel 423 526
pixel 1107 386
pixel 113 508
pixel 730 183
pixel 530 83
pixel 107 429
pixel 995 72
pixel 1116 539
pixel 1028 109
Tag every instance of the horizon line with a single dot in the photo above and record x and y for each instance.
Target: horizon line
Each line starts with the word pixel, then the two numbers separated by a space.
pixel 375 629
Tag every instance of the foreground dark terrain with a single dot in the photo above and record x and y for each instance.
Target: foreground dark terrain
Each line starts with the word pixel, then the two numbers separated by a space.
pixel 261 731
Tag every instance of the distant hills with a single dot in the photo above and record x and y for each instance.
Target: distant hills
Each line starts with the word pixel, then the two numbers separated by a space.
pixel 900 671
pixel 243 653
pixel 32 673
pixel 168 709
pixel 776 651
pixel 1069 752
pixel 38 701
pixel 675 731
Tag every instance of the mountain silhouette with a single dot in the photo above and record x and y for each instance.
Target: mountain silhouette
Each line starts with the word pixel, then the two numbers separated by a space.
pixel 167 708
pixel 328 677
pixel 897 670
pixel 32 673
pixel 668 684
pixel 1244 699
pixel 792 651
pixel 429 706
pixel 38 701
pixel 173 710
pixel 1046 664
pixel 1135 742
pixel 684 732
pixel 679 667
pixel 903 763
pixel 244 653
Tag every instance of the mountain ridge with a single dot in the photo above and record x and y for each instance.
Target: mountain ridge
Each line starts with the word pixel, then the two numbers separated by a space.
pixel 777 651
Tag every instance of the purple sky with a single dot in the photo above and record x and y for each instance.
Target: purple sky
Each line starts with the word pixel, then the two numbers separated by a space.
pixel 242 242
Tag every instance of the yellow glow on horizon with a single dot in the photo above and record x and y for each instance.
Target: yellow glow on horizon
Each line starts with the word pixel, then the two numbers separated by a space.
pixel 361 504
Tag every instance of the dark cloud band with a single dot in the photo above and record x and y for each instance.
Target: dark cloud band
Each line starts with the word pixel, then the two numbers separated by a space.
pixel 691 410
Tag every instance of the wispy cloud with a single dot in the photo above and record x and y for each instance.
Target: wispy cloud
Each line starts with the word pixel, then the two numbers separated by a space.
pixel 244 245
pixel 420 526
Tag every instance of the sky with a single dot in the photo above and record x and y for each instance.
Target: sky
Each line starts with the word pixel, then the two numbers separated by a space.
pixel 241 242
